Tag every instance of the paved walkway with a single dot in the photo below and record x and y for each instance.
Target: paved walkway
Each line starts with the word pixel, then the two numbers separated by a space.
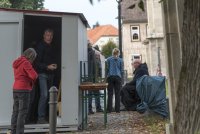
pixel 118 123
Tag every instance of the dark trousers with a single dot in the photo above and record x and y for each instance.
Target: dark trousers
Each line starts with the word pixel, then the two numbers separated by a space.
pixel 97 100
pixel 33 104
pixel 45 82
pixel 20 110
pixel 129 97
pixel 114 83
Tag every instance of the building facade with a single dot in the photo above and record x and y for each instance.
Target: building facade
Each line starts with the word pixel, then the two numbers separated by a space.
pixel 101 35
pixel 105 39
pixel 143 35
pixel 134 33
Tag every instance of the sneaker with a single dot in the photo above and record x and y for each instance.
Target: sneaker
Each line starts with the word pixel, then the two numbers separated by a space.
pixel 42 121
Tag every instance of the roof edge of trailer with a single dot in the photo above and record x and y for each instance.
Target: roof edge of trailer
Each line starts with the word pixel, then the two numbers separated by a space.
pixel 81 16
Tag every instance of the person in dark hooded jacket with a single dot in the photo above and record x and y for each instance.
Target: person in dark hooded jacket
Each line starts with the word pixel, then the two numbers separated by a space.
pixel 24 78
pixel 129 96
pixel 94 66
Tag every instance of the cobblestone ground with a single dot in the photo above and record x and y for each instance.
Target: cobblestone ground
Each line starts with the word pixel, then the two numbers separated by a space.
pixel 121 123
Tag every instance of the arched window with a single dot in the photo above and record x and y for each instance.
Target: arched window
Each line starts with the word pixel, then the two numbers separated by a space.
pixel 135 33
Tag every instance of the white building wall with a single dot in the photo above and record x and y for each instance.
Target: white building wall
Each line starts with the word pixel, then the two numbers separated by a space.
pixel 70 67
pixel 83 56
pixel 11 40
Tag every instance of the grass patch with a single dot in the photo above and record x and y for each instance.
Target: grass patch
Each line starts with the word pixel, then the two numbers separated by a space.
pixel 155 124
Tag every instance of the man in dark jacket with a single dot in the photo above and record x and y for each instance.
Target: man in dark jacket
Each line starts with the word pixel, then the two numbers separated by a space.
pixel 46 66
pixel 129 95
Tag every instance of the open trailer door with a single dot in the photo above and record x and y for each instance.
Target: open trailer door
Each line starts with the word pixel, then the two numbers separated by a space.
pixel 10 42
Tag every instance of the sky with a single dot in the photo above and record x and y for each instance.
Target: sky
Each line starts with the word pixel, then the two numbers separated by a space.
pixel 104 12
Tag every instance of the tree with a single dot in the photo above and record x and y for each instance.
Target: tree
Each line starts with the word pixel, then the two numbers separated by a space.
pixel 23 4
pixel 187 114
pixel 97 24
pixel 5 4
pixel 107 49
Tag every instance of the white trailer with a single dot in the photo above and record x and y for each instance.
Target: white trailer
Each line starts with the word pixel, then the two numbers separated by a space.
pixel 18 28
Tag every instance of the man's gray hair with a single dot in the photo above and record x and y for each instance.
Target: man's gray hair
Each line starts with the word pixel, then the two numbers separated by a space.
pixel 30 54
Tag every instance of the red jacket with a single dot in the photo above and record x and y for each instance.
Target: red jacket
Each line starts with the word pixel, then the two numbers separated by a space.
pixel 24 74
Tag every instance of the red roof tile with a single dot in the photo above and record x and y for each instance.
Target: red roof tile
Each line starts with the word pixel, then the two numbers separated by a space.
pixel 105 30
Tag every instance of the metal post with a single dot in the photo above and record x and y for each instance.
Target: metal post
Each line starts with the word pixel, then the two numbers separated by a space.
pixel 105 109
pixel 120 26
pixel 159 60
pixel 53 110
pixel 81 79
pixel 84 71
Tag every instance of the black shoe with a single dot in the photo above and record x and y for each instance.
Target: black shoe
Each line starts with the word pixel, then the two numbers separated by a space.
pixel 108 111
pixel 113 110
pixel 99 110
pixel 90 112
pixel 42 121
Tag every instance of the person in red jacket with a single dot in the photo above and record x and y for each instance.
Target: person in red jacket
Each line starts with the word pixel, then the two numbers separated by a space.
pixel 24 78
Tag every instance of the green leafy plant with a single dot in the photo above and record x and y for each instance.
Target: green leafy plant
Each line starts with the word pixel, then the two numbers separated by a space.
pixel 107 49
pixel 5 4
pixel 22 4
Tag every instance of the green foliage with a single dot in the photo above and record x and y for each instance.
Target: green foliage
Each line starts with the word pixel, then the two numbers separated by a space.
pixel 141 5
pixel 155 123
pixel 22 4
pixel 107 49
pixel 5 4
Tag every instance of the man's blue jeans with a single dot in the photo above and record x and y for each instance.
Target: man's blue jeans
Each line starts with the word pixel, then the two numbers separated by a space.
pixel 97 100
pixel 45 82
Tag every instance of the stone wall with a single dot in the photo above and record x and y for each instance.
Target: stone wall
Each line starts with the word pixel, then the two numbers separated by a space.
pixel 155 35
pixel 173 14
pixel 154 47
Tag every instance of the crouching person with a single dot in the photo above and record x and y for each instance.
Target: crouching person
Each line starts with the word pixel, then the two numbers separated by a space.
pixel 24 78
pixel 129 96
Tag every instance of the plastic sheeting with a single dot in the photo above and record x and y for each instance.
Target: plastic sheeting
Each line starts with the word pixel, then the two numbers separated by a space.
pixel 151 90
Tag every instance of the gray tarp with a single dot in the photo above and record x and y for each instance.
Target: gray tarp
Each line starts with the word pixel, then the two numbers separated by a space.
pixel 151 90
